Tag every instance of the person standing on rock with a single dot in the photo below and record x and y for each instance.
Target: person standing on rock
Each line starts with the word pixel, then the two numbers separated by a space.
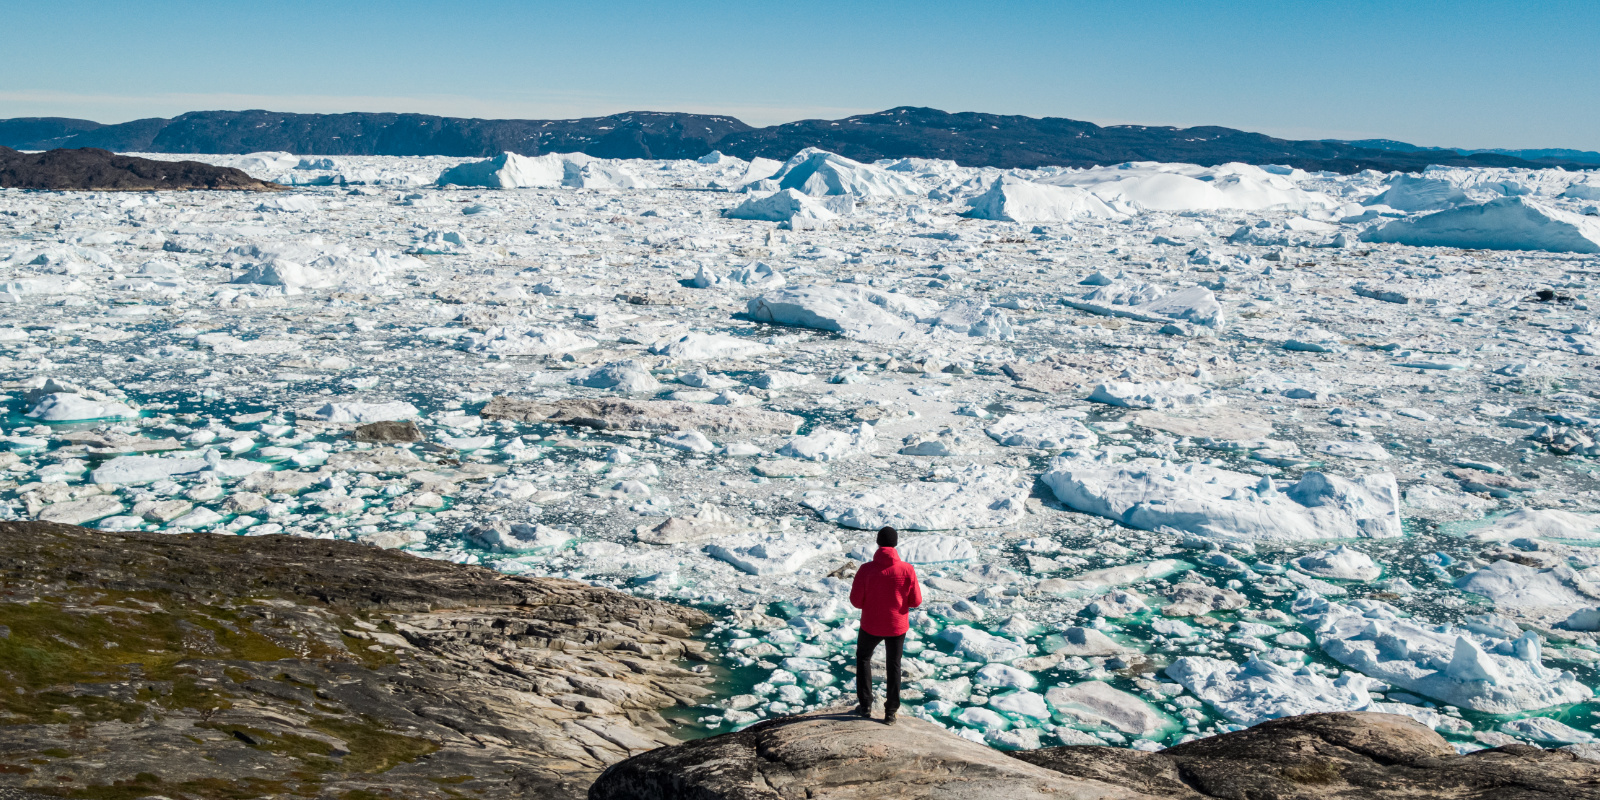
pixel 885 590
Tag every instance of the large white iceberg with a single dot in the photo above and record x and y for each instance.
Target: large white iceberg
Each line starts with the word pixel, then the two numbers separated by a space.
pixel 1151 186
pixel 786 205
pixel 1015 200
pixel 1414 193
pixel 1150 494
pixel 818 172
pixel 508 171
pixel 1507 223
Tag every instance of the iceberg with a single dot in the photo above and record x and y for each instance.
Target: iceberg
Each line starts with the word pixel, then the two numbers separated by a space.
pixel 1015 200
pixel 1540 523
pixel 694 346
pixel 520 341
pixel 786 205
pixel 508 171
pixel 935 549
pixel 1507 223
pixel 979 645
pixel 818 172
pixel 1155 394
pixel 1339 563
pixel 1513 585
pixel 1414 193
pixel 831 444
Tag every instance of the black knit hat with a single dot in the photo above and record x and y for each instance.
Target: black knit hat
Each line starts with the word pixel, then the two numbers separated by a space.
pixel 887 537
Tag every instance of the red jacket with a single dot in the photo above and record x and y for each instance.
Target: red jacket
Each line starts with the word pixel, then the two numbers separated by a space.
pixel 886 590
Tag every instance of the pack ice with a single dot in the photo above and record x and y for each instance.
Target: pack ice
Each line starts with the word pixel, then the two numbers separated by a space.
pixel 1174 448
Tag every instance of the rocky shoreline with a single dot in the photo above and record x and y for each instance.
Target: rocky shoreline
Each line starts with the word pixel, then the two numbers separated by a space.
pixel 92 169
pixel 206 666
pixel 1348 756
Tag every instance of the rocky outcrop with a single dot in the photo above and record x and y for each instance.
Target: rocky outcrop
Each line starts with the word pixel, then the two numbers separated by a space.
pixel 92 169
pixel 841 757
pixel 1348 756
pixel 202 666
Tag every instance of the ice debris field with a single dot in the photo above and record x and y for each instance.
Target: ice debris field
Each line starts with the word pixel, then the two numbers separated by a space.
pixel 1175 449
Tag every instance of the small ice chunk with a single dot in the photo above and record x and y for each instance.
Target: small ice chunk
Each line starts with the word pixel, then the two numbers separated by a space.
pixel 1339 563
pixel 1098 704
pixel 1047 430
pixel 1546 731
pixel 979 645
pixel 1258 690
pixel 832 445
pixel 935 549
pixel 981 718
pixel 760 553
pixel 1004 677
pixel 1021 704
pixel 692 441
pixel 361 413
pixel 518 537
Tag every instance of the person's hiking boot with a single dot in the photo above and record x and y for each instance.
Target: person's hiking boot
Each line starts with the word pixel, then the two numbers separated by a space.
pixel 888 717
pixel 863 711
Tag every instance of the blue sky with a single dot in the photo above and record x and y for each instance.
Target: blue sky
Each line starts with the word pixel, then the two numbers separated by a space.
pixel 1465 73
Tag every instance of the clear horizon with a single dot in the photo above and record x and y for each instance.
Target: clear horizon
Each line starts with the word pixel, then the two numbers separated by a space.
pixel 1470 74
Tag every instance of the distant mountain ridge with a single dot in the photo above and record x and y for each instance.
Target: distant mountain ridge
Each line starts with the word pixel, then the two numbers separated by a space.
pixel 970 139
pixel 1589 157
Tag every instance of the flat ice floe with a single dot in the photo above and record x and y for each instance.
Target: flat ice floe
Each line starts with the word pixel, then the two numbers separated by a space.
pixel 981 501
pixel 1447 663
pixel 1194 498
pixel 590 378
pixel 1257 690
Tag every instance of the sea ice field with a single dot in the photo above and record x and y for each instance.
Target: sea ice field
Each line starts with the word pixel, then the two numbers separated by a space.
pixel 1175 449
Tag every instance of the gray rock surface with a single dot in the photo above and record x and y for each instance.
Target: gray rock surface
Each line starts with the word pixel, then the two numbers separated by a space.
pixel 1346 756
pixel 839 756
pixel 202 666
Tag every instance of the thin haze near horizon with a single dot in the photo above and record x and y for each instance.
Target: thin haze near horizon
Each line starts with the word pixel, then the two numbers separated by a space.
pixel 1467 73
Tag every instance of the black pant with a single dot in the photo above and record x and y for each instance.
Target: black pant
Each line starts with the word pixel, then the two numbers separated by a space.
pixel 893 646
